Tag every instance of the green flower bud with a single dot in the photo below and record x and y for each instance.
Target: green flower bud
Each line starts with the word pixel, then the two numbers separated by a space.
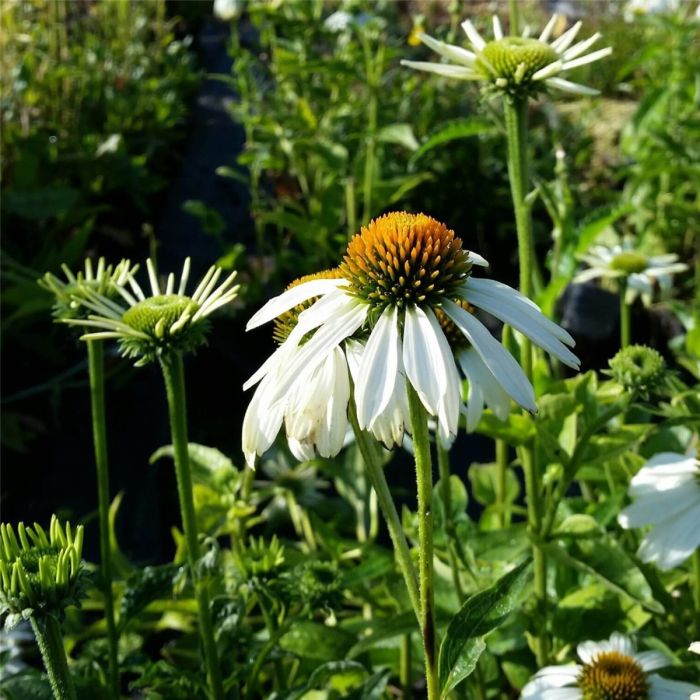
pixel 629 262
pixel 638 369
pixel 39 574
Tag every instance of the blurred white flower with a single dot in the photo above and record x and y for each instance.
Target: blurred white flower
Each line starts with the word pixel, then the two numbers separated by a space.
pixel 227 10
pixel 338 21
pixel 515 64
pixel 608 669
pixel 637 8
pixel 666 495
pixel 644 273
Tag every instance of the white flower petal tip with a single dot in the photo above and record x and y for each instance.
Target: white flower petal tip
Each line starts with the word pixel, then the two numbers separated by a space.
pixel 694 647
pixel 476 259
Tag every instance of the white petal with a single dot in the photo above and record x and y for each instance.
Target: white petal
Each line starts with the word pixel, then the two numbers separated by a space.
pixel 547 31
pixel 477 373
pixel 291 298
pixel 454 53
pixel 652 660
pixel 588 58
pixel 422 358
pixel 500 362
pixel 446 70
pixel 353 353
pixel 664 689
pixel 378 368
pixel 521 314
pixel 497 29
pixel 580 47
pixel 261 424
pixel 659 506
pixel 548 71
pixel 477 41
pixel 588 275
pixel 331 439
pixel 564 41
pixel 476 259
pixel 670 543
pixel 622 643
pixel 302 450
pixel 573 88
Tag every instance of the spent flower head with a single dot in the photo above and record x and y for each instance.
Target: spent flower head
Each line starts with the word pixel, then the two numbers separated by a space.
pixel 40 573
pixel 611 669
pixel 151 326
pixel 400 308
pixel 70 292
pixel 515 65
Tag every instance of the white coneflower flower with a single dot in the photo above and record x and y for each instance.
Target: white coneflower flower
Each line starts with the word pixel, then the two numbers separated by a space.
pixel 643 272
pixel 515 64
pixel 666 495
pixel 167 320
pixel 404 279
pixel 70 292
pixel 609 669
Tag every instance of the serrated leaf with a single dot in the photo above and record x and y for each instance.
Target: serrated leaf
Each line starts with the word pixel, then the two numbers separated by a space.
pixel 463 643
pixel 143 587
pixel 401 134
pixel 311 640
pixel 453 130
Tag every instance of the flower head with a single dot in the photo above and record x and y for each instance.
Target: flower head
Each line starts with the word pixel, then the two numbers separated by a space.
pixel 638 369
pixel 71 291
pixel 609 670
pixel 515 65
pixel 666 495
pixel 403 290
pixel 39 573
pixel 644 273
pixel 166 321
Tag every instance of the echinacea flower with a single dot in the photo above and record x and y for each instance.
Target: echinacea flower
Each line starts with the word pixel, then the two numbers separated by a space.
pixel 515 64
pixel 150 326
pixel 405 291
pixel 644 273
pixel 666 495
pixel 69 292
pixel 609 670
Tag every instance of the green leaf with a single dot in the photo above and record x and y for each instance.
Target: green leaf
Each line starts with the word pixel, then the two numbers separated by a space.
pixel 311 640
pixel 453 130
pixel 207 463
pixel 143 587
pixel 516 430
pixel 463 643
pixel 37 205
pixel 122 566
pixel 386 628
pixel 483 479
pixel 401 134
pixel 26 685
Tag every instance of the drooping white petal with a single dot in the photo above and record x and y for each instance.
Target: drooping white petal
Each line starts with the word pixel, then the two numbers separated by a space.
pixel 422 358
pixel 378 367
pixel 499 361
pixel 388 426
pixel 588 58
pixel 454 53
pixel 353 352
pixel 573 88
pixel 588 275
pixel 473 35
pixel 483 389
pixel 291 298
pixel 261 423
pixel 665 689
pixel 659 506
pixel 444 69
pixel 671 542
pixel 565 40
pixel 553 683
pixel 476 259
pixel 652 660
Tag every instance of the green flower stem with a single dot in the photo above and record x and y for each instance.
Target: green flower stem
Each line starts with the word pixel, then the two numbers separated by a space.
pixel 516 130
pixel 450 532
pixel 386 504
pixel 501 482
pixel 99 435
pixel 174 377
pixel 405 668
pixel 48 636
pixel 424 483
pixel 625 325
pixel 514 15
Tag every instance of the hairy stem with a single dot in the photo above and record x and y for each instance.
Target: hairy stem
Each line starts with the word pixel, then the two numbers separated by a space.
pixel 424 484
pixel 48 636
pixel 386 505
pixel 450 532
pixel 174 377
pixel 625 325
pixel 516 130
pixel 501 482
pixel 99 436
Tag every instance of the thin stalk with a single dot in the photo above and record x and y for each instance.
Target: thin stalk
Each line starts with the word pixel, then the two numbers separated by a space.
pixel 174 378
pixel 450 533
pixel 373 72
pixel 424 484
pixel 625 325
pixel 99 435
pixel 501 482
pixel 696 590
pixel 405 668
pixel 514 16
pixel 386 505
pixel 48 636
pixel 516 130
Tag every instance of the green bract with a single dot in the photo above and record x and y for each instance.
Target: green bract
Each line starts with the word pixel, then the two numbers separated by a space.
pixel 511 62
pixel 39 573
pixel 638 368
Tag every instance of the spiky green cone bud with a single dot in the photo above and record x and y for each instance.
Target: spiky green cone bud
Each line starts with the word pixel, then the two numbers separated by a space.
pixel 40 574
pixel 639 369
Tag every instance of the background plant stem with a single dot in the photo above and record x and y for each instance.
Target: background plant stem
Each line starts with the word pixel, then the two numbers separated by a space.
pixel 501 482
pixel 99 435
pixel 625 325
pixel 386 505
pixel 424 485
pixel 450 534
pixel 516 130
pixel 173 375
pixel 48 636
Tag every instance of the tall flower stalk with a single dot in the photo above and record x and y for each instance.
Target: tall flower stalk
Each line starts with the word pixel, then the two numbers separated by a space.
pixel 163 326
